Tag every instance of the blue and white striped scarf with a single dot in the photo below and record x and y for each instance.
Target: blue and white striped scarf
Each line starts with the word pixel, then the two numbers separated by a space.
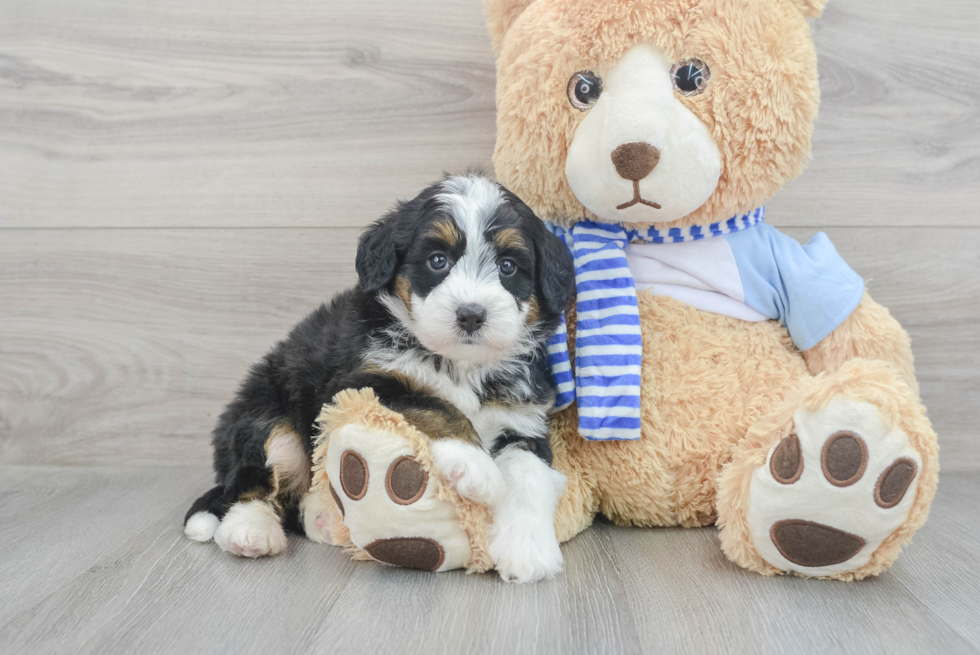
pixel 608 343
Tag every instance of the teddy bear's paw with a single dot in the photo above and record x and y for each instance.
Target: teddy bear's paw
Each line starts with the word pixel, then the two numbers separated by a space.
pixel 469 470
pixel 389 502
pixel 251 529
pixel 831 492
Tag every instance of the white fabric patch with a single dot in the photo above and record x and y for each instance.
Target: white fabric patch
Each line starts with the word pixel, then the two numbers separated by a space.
pixel 813 498
pixel 700 273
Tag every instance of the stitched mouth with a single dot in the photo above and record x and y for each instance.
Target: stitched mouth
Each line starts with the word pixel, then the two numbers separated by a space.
pixel 637 200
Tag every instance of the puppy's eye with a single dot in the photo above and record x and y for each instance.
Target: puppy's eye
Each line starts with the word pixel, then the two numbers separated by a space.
pixel 507 267
pixel 584 88
pixel 690 76
pixel 438 261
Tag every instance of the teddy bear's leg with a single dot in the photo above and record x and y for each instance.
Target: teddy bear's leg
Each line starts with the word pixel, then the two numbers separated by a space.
pixel 834 480
pixel 378 490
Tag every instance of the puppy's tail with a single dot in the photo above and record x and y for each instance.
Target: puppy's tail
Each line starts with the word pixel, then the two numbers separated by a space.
pixel 202 519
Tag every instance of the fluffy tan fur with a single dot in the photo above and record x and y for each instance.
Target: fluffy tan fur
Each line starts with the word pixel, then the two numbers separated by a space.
pixel 716 392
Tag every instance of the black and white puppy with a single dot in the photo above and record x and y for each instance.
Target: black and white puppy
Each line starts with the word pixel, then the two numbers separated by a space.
pixel 458 290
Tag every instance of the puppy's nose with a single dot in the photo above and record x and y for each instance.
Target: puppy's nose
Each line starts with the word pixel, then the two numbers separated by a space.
pixel 470 317
pixel 634 161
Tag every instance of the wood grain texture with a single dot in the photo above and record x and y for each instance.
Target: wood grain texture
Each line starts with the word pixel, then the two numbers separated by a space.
pixel 311 113
pixel 141 587
pixel 714 605
pixel 123 346
pixel 59 522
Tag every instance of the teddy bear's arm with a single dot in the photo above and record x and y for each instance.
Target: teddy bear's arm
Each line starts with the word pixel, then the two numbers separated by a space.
pixel 870 332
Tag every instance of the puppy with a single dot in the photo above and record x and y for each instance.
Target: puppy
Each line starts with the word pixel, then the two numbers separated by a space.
pixel 457 292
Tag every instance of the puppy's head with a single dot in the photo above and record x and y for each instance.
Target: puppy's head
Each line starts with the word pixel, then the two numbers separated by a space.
pixel 468 269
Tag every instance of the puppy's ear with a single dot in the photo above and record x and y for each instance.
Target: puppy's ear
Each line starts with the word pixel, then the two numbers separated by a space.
pixel 377 253
pixel 556 271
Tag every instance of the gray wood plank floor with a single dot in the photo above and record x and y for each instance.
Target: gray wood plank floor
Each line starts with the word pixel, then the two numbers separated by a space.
pixel 180 182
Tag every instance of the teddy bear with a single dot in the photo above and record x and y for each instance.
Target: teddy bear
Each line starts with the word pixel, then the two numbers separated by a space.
pixel 711 370
pixel 725 373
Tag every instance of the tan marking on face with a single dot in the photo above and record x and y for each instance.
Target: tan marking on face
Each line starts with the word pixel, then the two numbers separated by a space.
pixel 509 238
pixel 403 289
pixel 445 231
pixel 289 462
pixel 533 312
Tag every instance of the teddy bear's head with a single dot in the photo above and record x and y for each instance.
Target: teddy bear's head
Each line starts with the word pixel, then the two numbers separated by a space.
pixel 662 112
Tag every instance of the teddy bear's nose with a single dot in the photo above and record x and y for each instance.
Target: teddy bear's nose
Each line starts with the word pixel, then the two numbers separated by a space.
pixel 634 161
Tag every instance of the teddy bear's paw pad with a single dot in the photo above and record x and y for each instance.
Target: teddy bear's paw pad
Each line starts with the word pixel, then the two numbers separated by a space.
pixel 389 502
pixel 251 529
pixel 410 552
pixel 894 482
pixel 812 544
pixel 833 490
pixel 469 470
pixel 406 480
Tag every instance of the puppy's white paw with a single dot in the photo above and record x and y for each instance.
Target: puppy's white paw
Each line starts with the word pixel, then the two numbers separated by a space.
pixel 469 470
pixel 201 526
pixel 251 529
pixel 525 553
pixel 523 543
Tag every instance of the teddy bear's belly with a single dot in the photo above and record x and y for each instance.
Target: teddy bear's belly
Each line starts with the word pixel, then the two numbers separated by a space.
pixel 706 378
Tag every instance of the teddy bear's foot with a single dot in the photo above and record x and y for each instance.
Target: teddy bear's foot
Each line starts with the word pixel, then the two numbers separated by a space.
pixel 378 489
pixel 833 490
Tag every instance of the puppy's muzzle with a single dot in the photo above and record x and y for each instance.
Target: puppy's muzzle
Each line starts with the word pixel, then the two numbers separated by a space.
pixel 470 317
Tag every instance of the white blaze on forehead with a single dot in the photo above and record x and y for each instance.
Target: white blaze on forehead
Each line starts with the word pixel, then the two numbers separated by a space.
pixel 473 203
pixel 638 105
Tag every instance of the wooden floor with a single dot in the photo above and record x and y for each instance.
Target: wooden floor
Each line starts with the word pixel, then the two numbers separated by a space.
pixel 181 181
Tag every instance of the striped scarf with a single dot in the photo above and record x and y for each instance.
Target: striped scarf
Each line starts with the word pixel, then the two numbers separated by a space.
pixel 608 342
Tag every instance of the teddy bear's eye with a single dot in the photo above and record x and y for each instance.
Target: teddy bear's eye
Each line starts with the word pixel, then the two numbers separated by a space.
pixel 690 76
pixel 584 88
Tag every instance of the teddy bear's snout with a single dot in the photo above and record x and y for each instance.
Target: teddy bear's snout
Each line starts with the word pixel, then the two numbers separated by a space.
pixel 634 161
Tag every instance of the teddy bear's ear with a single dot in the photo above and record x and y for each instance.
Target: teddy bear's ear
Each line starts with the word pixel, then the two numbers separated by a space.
pixel 809 8
pixel 500 16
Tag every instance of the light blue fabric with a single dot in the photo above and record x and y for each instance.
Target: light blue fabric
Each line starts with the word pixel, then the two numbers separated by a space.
pixel 809 288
